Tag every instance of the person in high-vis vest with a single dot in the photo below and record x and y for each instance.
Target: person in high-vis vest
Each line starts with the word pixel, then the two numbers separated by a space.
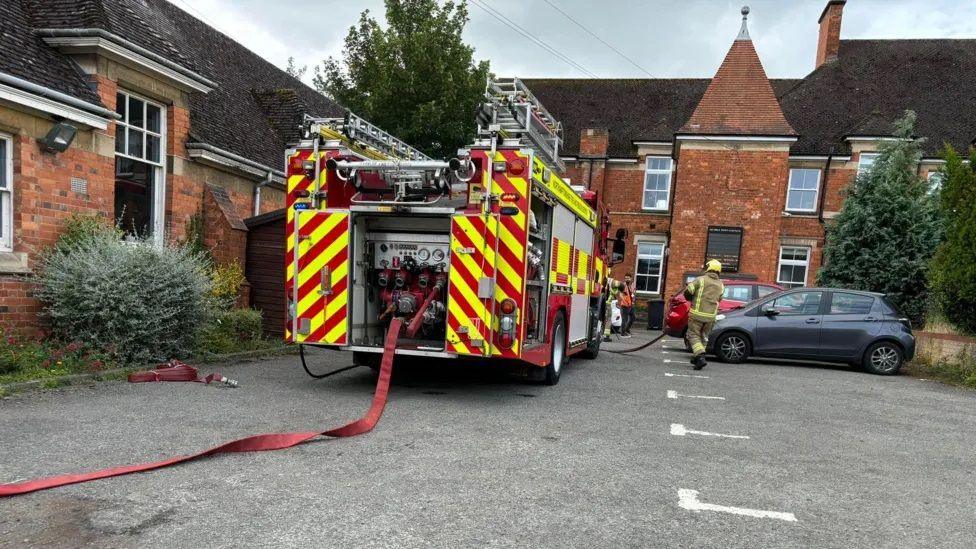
pixel 704 294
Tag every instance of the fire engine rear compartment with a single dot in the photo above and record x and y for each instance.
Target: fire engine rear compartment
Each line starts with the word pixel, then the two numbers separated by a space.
pixel 400 260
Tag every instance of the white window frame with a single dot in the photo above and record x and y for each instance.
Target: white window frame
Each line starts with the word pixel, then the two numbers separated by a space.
pixel 816 191
pixel 159 184
pixel 861 168
pixel 637 257
pixel 794 263
pixel 7 195
pixel 648 171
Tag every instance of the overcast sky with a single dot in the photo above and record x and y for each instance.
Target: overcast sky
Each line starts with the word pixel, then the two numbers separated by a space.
pixel 666 38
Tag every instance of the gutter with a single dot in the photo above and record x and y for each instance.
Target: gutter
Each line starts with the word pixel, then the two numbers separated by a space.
pixel 238 159
pixel 101 33
pixel 57 96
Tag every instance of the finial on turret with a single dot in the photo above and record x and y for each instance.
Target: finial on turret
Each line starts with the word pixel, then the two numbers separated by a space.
pixel 744 31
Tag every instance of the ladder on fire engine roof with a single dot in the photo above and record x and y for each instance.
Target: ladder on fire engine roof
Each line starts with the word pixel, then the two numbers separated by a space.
pixel 362 137
pixel 512 111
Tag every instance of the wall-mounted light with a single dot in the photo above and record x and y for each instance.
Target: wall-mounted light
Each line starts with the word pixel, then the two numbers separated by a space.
pixel 59 138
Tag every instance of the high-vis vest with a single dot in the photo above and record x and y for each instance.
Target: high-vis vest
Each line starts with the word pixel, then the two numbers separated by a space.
pixel 704 294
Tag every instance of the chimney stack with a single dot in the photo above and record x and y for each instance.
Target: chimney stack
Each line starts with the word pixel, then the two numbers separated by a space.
pixel 829 41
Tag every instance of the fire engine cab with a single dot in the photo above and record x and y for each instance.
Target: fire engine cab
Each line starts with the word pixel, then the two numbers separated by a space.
pixel 489 255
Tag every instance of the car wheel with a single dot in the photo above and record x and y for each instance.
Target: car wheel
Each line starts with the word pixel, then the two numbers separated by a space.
pixel 733 348
pixel 558 356
pixel 883 358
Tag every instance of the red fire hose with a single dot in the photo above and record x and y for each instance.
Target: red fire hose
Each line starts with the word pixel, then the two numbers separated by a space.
pixel 255 443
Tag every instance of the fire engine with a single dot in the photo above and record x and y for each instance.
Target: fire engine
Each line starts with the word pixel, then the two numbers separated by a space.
pixel 489 255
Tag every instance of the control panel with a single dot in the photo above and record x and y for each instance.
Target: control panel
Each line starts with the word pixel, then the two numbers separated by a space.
pixel 390 250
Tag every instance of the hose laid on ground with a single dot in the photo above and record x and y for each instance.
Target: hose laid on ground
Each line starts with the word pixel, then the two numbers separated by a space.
pixel 635 349
pixel 175 370
pixel 256 443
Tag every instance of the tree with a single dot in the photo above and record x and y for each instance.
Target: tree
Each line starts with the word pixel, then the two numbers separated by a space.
pixel 296 71
pixel 953 272
pixel 415 78
pixel 888 228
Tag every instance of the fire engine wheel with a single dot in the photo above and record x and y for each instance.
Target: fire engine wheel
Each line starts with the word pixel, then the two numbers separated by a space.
pixel 593 345
pixel 558 357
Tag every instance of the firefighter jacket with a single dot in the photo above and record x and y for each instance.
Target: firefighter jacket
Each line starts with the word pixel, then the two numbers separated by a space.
pixel 704 294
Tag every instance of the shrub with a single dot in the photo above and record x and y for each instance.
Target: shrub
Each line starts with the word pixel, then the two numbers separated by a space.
pixel 144 302
pixel 80 228
pixel 227 281
pixel 230 331
pixel 53 357
pixel 953 271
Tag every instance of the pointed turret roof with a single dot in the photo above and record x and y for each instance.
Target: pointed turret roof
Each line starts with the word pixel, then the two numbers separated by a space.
pixel 740 99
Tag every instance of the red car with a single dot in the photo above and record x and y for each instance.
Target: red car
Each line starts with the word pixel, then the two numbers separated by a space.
pixel 737 293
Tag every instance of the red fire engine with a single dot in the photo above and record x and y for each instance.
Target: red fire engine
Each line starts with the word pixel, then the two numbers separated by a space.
pixel 489 255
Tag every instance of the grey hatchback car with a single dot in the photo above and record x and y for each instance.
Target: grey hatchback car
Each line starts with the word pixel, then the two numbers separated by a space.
pixel 823 324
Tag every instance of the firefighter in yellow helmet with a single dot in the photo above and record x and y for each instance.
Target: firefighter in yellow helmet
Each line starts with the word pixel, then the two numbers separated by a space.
pixel 704 294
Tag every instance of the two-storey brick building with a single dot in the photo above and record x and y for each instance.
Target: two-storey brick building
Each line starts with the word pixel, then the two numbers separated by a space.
pixel 171 121
pixel 750 169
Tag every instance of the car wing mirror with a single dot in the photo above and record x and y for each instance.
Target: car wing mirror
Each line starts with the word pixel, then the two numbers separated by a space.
pixel 770 311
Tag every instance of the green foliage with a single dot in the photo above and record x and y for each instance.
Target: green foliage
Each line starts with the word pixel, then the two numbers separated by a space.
pixel 953 272
pixel 231 331
pixel 81 227
pixel 888 228
pixel 413 77
pixel 194 237
pixel 226 281
pixel 22 357
pixel 140 301
pixel 957 370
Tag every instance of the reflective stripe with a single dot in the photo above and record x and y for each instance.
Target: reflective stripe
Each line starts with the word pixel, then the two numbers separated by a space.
pixel 697 348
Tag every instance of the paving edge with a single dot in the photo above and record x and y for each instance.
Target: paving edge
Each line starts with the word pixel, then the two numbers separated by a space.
pixel 119 373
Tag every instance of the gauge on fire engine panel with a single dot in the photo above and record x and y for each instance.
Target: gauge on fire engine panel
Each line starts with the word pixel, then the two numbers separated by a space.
pixel 423 254
pixel 438 255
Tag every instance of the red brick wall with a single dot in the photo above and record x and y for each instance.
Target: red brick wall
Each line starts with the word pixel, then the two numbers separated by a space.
pixel 734 188
pixel 227 244
pixel 594 142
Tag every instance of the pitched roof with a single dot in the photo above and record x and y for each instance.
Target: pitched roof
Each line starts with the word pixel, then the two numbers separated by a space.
pixel 648 109
pixel 873 82
pixel 739 100
pixel 26 56
pixel 254 110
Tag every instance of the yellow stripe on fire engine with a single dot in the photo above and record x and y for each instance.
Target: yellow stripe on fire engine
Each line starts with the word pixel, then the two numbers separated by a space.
pixel 562 191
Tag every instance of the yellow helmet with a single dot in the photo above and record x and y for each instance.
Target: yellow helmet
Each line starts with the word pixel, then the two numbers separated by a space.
pixel 713 265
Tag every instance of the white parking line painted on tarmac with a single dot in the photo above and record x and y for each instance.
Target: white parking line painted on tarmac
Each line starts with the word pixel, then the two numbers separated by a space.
pixel 669 374
pixel 680 430
pixel 676 394
pixel 688 499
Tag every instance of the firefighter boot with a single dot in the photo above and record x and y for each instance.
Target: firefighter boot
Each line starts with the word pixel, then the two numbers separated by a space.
pixel 699 362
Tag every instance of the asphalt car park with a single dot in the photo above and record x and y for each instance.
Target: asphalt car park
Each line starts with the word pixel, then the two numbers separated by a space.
pixel 623 452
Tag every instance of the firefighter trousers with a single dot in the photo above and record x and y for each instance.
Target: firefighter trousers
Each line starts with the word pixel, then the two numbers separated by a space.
pixel 697 335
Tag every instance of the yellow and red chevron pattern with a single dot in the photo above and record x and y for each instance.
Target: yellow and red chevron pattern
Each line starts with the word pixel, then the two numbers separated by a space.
pixel 570 273
pixel 489 245
pixel 321 283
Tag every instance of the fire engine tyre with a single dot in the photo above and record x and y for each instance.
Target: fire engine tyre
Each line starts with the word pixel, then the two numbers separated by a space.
pixel 883 358
pixel 558 357
pixel 593 346
pixel 733 348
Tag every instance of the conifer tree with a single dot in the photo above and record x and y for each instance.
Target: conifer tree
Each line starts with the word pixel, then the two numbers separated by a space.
pixel 953 273
pixel 887 229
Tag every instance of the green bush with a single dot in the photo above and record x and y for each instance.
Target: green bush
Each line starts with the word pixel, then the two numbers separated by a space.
pixel 953 271
pixel 139 301
pixel 228 331
pixel 48 357
pixel 80 228
pixel 226 283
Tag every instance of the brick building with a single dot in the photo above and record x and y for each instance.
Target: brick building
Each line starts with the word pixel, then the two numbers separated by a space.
pixel 747 168
pixel 173 120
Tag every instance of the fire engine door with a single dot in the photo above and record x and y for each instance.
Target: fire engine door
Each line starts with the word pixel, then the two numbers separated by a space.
pixel 471 284
pixel 320 293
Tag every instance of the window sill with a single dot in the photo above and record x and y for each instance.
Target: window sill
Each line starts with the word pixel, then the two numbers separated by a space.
pixel 14 263
pixel 654 212
pixel 794 213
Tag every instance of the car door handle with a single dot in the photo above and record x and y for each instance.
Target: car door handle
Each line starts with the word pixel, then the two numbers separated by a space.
pixel 870 319
pixel 813 321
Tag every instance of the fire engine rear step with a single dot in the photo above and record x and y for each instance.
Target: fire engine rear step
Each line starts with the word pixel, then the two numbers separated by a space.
pixel 255 443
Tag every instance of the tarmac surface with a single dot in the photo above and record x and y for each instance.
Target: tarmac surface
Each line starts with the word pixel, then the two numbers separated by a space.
pixel 619 454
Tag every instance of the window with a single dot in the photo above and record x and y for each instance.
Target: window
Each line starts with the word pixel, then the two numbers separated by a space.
pixel 800 303
pixel 738 293
pixel 139 173
pixel 657 183
pixel 6 194
pixel 865 162
pixel 850 304
pixel 763 291
pixel 801 194
pixel 648 271
pixel 793 264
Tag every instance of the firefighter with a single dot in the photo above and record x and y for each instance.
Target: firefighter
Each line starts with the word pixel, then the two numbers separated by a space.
pixel 704 294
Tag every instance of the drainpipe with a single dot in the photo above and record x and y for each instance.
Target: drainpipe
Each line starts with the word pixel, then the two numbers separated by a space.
pixel 823 197
pixel 257 193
